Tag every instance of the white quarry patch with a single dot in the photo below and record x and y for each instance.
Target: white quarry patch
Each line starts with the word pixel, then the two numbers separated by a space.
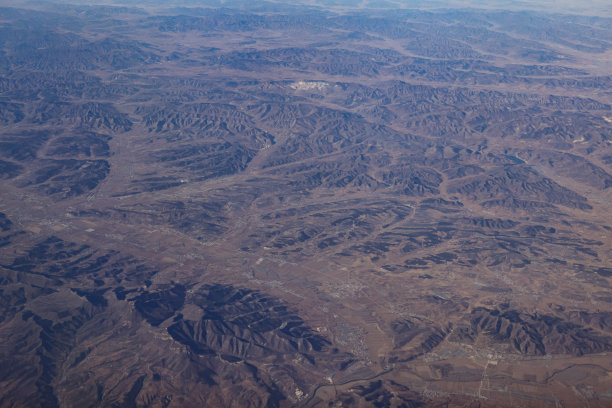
pixel 309 85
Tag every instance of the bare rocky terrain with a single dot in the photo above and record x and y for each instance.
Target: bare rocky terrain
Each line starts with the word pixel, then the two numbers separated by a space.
pixel 265 205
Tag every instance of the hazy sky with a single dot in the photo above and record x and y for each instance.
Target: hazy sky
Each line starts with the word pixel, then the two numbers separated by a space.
pixel 601 8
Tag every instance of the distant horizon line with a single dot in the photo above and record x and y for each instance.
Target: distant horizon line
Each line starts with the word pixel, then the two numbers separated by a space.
pixel 593 8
